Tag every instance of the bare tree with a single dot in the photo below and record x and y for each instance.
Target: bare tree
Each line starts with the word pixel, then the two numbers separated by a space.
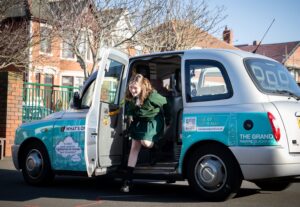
pixel 17 38
pixel 182 25
pixel 13 42
pixel 85 26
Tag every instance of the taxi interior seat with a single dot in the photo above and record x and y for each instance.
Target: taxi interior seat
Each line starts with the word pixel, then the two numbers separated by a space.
pixel 173 111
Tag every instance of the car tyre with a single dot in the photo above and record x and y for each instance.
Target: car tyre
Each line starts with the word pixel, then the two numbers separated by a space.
pixel 214 173
pixel 36 166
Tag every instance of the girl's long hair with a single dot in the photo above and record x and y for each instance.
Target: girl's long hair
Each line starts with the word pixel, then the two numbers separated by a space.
pixel 144 83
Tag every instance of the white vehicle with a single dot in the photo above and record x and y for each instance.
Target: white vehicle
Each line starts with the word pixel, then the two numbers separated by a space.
pixel 234 116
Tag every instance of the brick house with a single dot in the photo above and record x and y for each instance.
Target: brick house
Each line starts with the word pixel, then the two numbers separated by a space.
pixel 287 53
pixel 51 60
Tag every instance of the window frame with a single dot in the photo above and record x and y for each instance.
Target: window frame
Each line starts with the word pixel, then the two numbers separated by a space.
pixel 84 44
pixel 93 81
pixel 66 50
pixel 117 95
pixel 48 40
pixel 66 76
pixel 214 63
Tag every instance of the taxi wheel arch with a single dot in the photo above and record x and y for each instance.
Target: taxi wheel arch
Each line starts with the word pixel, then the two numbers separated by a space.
pixel 213 171
pixel 35 163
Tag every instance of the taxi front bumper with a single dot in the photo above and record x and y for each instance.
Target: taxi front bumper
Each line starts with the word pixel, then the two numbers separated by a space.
pixel 15 152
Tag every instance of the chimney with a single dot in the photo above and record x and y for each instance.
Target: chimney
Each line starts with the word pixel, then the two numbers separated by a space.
pixel 228 36
pixel 255 42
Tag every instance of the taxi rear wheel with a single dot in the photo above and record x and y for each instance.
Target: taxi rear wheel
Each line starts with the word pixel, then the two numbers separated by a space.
pixel 214 173
pixel 36 167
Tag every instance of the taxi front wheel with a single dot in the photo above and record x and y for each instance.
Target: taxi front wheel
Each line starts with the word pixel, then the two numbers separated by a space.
pixel 213 173
pixel 36 167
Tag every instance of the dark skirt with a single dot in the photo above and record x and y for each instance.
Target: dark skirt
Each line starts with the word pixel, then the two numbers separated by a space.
pixel 150 129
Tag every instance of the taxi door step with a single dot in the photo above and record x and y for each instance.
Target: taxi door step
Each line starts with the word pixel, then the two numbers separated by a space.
pixel 158 165
pixel 158 168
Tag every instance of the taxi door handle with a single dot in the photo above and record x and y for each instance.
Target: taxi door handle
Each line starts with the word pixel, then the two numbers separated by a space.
pixel 94 133
pixel 114 113
pixel 111 113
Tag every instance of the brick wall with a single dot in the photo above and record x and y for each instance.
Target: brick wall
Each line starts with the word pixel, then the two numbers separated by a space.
pixel 11 84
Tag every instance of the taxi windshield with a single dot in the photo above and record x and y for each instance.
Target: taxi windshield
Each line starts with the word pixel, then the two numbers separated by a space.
pixel 272 77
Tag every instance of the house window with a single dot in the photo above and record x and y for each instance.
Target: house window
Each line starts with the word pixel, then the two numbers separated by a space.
pixel 78 82
pixel 67 81
pixel 67 51
pixel 48 91
pixel 38 78
pixel 45 45
pixel 82 44
pixel 294 73
pixel 89 52
pixel 48 79
pixel 72 81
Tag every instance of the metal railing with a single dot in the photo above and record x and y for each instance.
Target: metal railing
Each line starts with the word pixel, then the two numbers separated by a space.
pixel 40 100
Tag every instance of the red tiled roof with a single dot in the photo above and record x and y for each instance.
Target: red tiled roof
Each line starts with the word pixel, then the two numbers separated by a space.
pixel 205 40
pixel 276 51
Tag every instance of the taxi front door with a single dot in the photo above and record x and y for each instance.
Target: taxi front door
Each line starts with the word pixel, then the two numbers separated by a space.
pixel 103 140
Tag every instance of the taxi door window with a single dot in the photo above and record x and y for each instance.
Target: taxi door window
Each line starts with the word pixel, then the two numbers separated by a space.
pixel 206 80
pixel 87 98
pixel 111 82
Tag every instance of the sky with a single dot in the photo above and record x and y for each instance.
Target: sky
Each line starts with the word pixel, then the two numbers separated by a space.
pixel 250 19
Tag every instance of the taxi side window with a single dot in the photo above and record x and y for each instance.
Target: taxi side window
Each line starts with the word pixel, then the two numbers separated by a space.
pixel 87 98
pixel 206 80
pixel 111 82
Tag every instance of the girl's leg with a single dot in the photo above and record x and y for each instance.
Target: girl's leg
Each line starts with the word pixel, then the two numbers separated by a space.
pixel 134 152
pixel 133 155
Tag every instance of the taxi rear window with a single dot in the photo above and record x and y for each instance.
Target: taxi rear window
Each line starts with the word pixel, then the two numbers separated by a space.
pixel 271 77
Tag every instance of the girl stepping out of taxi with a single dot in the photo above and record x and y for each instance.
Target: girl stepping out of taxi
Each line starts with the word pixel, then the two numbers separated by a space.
pixel 143 106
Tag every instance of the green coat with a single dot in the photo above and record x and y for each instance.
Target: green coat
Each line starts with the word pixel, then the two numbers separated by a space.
pixel 148 119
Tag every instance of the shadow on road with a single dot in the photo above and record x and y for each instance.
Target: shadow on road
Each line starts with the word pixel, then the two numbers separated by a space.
pixel 14 188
